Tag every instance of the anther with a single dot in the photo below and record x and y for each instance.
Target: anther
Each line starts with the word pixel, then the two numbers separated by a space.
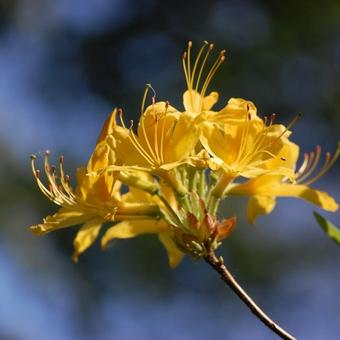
pixel 184 55
pixel 189 44
pixel 33 157
pixel 61 159
pixel 272 118
pixel 37 173
pixel 47 152
pixel 120 112
pixel 67 178
pixel 211 46
pixel 53 169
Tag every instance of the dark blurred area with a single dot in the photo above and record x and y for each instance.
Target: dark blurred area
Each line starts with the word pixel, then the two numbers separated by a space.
pixel 63 66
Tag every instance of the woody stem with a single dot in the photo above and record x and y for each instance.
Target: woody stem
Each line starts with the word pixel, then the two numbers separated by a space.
pixel 218 265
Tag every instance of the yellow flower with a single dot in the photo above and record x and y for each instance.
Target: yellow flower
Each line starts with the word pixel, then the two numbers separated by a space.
pixel 264 189
pixel 96 199
pixel 159 142
pixel 249 148
pixel 195 99
pixel 197 103
pixel 163 164
pixel 135 227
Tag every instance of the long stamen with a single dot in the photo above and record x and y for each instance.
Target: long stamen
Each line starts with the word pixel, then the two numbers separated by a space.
pixel 290 125
pixel 329 162
pixel 57 189
pixel 134 140
pixel 54 192
pixel 189 64
pixel 53 184
pixel 202 65
pixel 212 71
pixel 41 186
pixel 260 148
pixel 185 55
pixel 144 99
pixel 244 140
pixel 304 165
pixel 156 139
pixel 314 159
pixel 138 146
pixel 146 138
pixel 65 179
pixel 163 131
pixel 146 91
pixel 141 122
pixel 190 75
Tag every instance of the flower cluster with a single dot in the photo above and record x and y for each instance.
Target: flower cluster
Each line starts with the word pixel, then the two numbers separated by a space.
pixel 167 174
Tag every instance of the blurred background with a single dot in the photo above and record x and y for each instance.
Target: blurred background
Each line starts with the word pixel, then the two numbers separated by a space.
pixel 63 66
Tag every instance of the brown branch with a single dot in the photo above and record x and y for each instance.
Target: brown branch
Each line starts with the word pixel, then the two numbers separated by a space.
pixel 218 265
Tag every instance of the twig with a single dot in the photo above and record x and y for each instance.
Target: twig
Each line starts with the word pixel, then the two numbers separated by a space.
pixel 218 265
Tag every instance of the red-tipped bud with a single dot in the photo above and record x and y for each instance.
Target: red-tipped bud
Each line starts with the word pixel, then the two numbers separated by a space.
pixel 209 223
pixel 193 221
pixel 225 228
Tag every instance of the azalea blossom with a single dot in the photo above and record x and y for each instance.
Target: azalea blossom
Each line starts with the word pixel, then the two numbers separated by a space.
pixel 263 190
pixel 95 200
pixel 167 174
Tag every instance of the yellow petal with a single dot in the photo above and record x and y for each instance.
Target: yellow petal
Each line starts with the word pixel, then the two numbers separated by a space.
pixel 319 198
pixel 101 157
pixel 178 148
pixel 108 126
pixel 286 157
pixel 194 103
pixel 238 108
pixel 64 218
pixel 174 254
pixel 128 152
pixel 267 185
pixel 133 228
pixel 259 205
pixel 85 237
pixel 97 188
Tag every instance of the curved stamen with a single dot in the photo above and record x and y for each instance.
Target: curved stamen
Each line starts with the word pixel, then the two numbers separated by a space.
pixel 304 166
pixel 211 46
pixel 212 71
pixel 329 162
pixel 134 140
pixel 163 131
pixel 141 123
pixel 314 159
pixel 190 76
